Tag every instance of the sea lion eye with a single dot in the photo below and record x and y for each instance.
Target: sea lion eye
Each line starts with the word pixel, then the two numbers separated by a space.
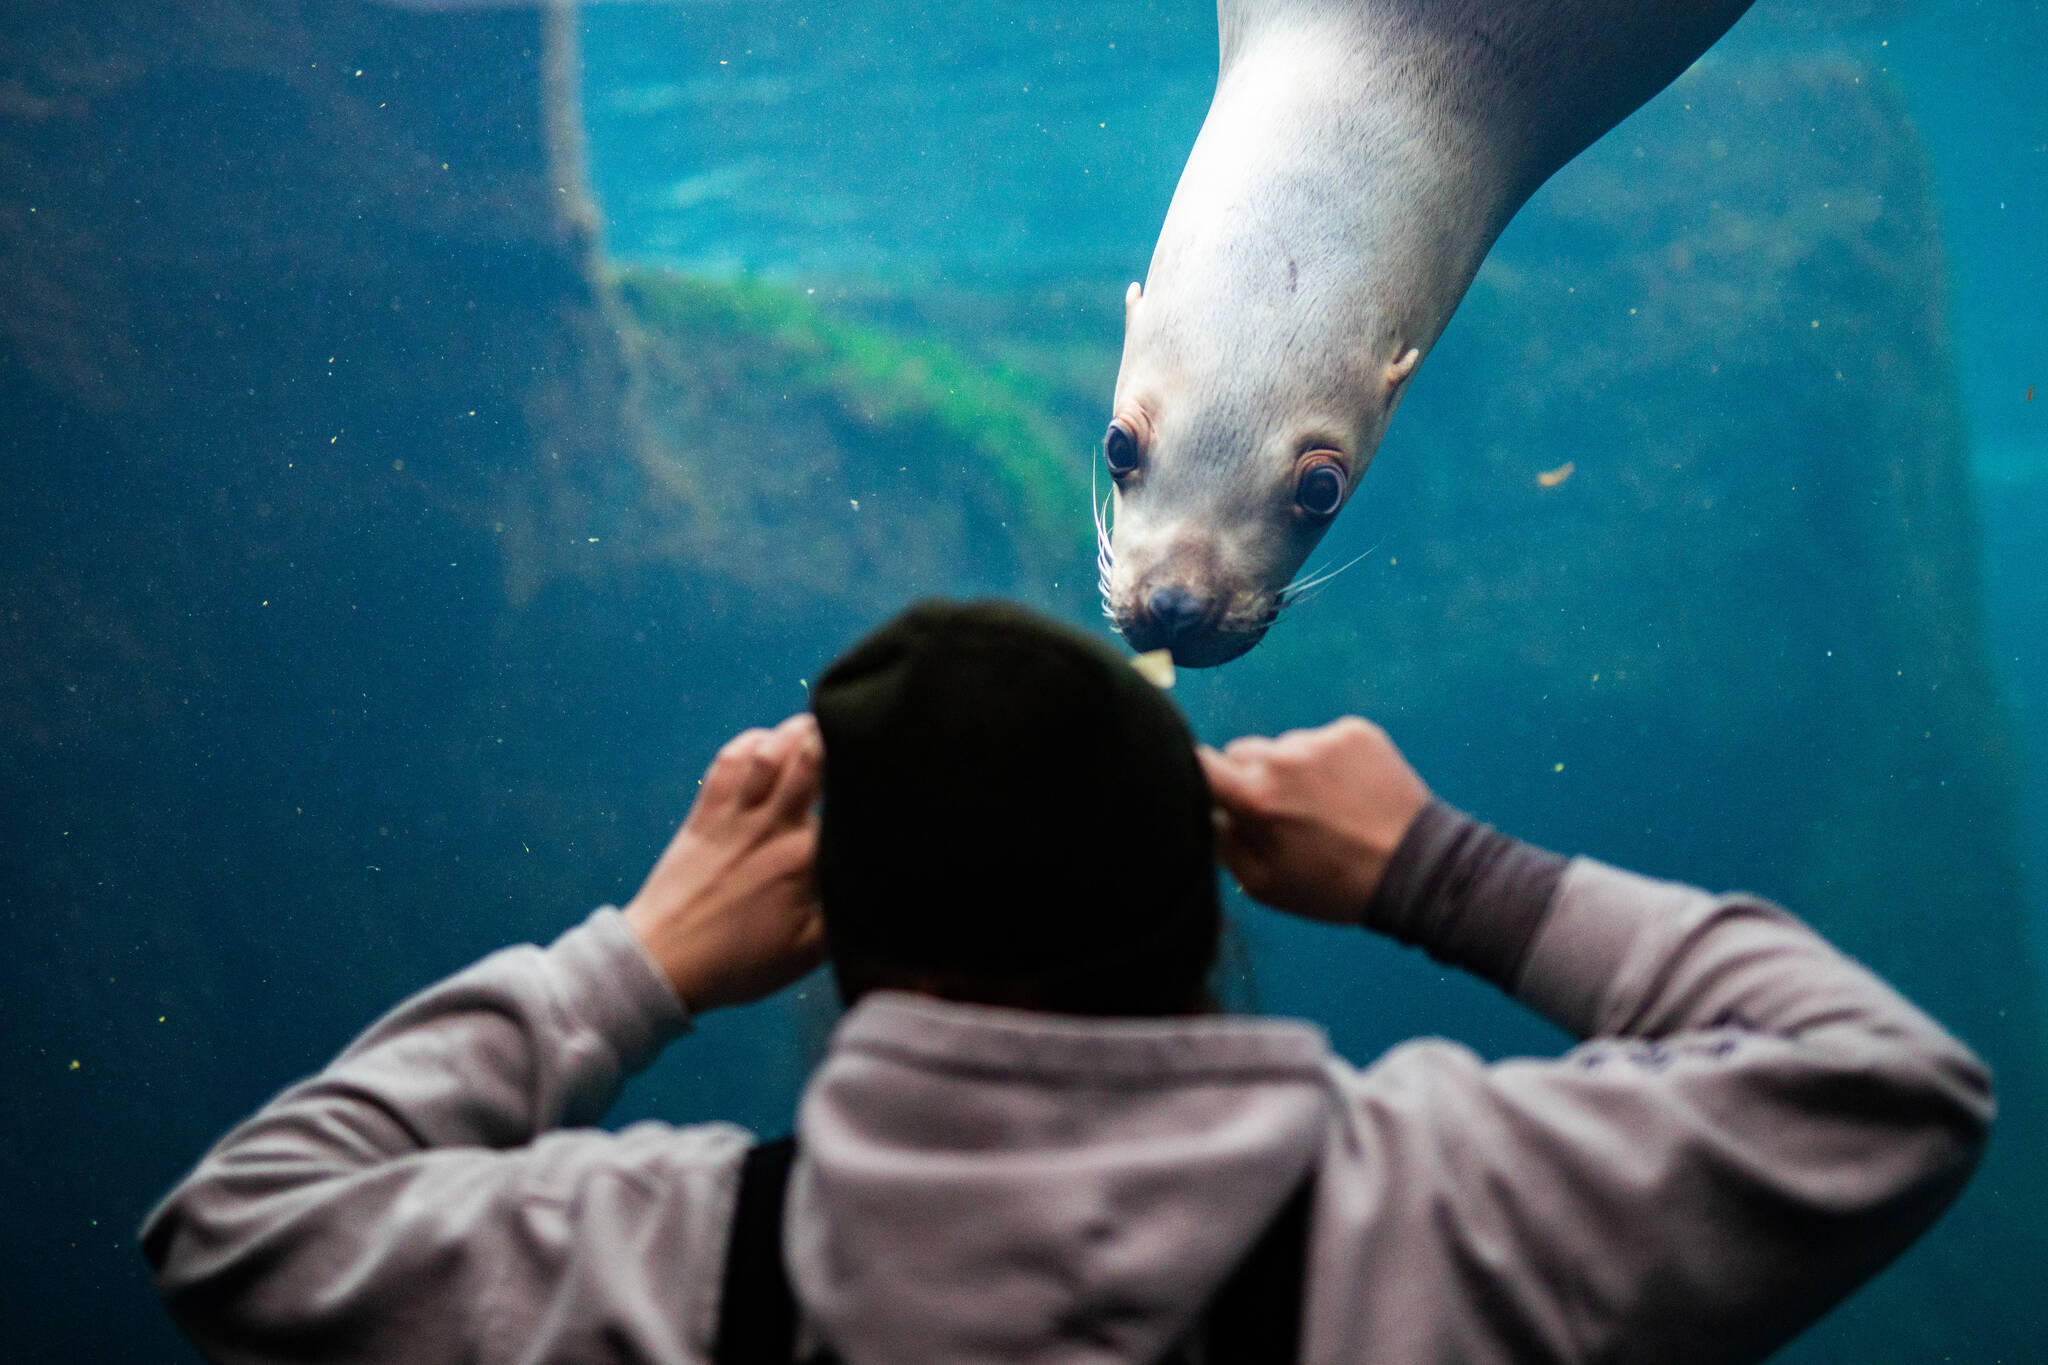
pixel 1119 451
pixel 1319 489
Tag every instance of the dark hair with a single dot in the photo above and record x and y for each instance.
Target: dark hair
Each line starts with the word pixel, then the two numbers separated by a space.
pixel 1012 816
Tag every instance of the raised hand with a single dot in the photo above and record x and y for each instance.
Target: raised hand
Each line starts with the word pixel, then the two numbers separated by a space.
pixel 1307 822
pixel 730 911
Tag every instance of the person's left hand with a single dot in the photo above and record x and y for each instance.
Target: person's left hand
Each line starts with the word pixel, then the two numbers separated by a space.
pixel 730 911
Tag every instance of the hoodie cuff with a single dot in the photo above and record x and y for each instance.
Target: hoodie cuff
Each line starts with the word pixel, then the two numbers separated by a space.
pixel 606 979
pixel 1465 893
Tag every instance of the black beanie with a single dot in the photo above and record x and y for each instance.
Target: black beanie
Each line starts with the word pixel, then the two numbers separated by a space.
pixel 1006 799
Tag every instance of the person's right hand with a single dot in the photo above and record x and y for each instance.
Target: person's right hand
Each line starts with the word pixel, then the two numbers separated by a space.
pixel 1307 822
pixel 730 912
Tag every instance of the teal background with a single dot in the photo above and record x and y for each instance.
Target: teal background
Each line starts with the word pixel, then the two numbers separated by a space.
pixel 426 431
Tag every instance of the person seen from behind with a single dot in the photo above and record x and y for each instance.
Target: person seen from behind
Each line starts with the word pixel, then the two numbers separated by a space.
pixel 1032 1138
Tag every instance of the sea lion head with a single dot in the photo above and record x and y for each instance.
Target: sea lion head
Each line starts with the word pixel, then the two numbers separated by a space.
pixel 1357 163
pixel 1238 435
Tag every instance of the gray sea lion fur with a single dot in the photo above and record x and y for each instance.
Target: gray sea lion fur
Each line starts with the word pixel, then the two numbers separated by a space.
pixel 1359 159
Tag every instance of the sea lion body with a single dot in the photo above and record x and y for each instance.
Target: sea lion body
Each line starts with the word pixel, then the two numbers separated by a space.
pixel 1358 161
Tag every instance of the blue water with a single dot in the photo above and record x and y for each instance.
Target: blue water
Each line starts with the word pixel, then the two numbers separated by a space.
pixel 288 734
pixel 1005 145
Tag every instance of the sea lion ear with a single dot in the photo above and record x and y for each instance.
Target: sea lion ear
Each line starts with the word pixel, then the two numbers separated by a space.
pixel 1400 368
pixel 1131 297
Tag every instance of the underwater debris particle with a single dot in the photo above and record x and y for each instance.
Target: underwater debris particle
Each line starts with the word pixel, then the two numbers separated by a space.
pixel 1156 667
pixel 73 1066
pixel 2030 393
pixel 1551 478
pixel 854 503
pixel 1557 768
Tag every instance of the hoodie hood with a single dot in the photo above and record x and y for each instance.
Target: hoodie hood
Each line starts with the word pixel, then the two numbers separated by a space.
pixel 978 1184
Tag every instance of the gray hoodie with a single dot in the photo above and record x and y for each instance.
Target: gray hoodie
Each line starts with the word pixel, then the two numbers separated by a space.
pixel 1756 1126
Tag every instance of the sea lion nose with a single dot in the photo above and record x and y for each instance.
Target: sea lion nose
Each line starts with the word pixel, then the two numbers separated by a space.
pixel 1176 611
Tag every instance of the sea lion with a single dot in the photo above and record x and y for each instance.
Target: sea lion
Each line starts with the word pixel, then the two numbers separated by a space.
pixel 1357 163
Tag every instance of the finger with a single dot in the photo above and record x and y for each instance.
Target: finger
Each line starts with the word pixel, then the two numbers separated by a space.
pixel 1242 751
pixel 1230 779
pixel 1244 861
pixel 1293 743
pixel 743 743
pixel 723 778
pixel 790 853
pixel 777 743
pixel 796 786
pixel 801 950
pixel 1357 727
pixel 1219 768
pixel 764 766
pixel 809 944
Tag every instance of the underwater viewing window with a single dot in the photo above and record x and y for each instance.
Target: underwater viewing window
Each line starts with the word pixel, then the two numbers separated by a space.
pixel 434 427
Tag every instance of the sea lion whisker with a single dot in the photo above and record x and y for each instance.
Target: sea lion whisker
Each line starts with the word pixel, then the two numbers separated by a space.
pixel 1311 595
pixel 1296 591
pixel 1104 557
pixel 1293 592
pixel 1303 584
pixel 1310 577
pixel 1300 580
pixel 1317 589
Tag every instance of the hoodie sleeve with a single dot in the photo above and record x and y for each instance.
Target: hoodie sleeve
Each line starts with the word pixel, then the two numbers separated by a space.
pixel 411 1202
pixel 1756 1126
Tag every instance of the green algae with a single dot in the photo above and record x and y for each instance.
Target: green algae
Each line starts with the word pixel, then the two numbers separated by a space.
pixel 887 380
